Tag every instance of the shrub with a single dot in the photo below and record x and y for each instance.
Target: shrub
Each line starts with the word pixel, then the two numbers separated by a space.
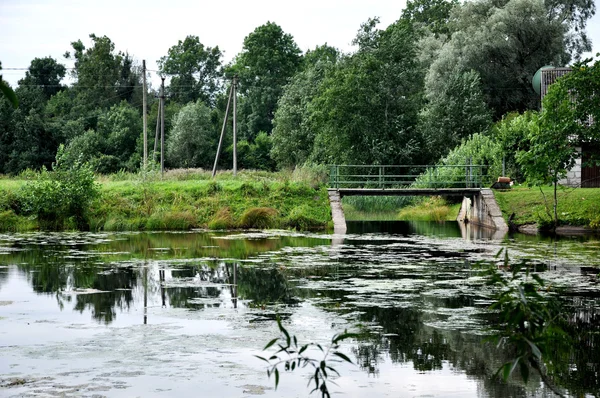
pixel 301 218
pixel 171 220
pixel 64 193
pixel 223 219
pixel 9 221
pixel 259 217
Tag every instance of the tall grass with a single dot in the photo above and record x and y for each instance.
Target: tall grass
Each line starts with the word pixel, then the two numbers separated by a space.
pixel 430 209
pixel 190 198
pixel 378 204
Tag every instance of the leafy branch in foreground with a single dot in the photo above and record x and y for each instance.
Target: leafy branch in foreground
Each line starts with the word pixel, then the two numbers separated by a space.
pixel 530 323
pixel 293 356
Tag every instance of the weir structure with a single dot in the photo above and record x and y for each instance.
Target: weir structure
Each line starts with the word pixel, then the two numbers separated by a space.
pixel 478 207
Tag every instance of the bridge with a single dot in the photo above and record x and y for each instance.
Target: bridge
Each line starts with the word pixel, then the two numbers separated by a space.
pixel 467 180
pixel 407 178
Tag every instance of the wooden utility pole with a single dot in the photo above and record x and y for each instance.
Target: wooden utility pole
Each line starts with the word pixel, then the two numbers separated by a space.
pixel 162 127
pixel 157 130
pixel 145 104
pixel 222 132
pixel 234 88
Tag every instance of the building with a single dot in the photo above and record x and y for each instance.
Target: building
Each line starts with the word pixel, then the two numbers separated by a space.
pixel 582 174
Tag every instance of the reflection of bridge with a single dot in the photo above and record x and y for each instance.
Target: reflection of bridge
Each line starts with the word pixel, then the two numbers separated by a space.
pixel 479 205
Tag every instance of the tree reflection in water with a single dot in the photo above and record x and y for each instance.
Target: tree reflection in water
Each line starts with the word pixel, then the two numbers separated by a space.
pixel 203 271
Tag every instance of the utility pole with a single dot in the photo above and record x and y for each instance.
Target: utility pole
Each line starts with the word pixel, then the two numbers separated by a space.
pixel 234 88
pixel 222 133
pixel 162 127
pixel 145 104
pixel 157 130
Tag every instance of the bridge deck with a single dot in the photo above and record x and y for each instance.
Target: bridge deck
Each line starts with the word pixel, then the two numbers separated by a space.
pixel 405 191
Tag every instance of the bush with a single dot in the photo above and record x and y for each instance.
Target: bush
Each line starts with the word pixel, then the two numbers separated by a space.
pixel 259 217
pixel 9 221
pixel 171 220
pixel 223 219
pixel 301 218
pixel 62 195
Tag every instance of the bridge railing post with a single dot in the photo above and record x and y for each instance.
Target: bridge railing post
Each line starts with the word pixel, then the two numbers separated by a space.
pixel 380 177
pixel 332 176
pixel 430 173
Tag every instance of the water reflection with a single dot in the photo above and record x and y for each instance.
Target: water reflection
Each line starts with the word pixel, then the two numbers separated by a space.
pixel 417 300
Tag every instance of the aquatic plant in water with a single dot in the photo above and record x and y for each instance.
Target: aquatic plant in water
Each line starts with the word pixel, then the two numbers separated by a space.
pixel 293 356
pixel 531 323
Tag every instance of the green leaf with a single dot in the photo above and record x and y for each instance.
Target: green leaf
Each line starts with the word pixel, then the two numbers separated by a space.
pixel 534 349
pixel 537 278
pixel 344 336
pixel 343 356
pixel 524 369
pixel 276 378
pixel 333 370
pixel 270 343
pixel 261 358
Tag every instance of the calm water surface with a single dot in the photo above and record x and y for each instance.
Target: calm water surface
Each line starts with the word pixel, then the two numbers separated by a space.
pixel 183 314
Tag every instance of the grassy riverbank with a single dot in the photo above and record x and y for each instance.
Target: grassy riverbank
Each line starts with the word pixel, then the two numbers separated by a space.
pixel 383 208
pixel 184 200
pixel 576 206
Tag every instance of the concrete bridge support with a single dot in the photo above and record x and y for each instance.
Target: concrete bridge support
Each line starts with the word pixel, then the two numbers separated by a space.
pixel 482 210
pixel 337 212
pixel 479 206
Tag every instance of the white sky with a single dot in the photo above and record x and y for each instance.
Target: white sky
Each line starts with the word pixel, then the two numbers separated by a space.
pixel 147 29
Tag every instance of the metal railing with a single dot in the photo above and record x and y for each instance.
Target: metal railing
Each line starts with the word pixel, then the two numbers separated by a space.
pixel 407 176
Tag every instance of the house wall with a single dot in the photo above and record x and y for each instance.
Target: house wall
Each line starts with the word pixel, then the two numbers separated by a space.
pixel 573 177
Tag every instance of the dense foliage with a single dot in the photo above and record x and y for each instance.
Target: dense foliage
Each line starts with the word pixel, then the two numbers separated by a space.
pixel 408 94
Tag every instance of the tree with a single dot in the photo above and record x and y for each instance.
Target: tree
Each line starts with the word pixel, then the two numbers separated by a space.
pixel 512 134
pixel 196 71
pixel 32 143
pixel 293 136
pixel 434 14
pixel 515 39
pixel 7 92
pixel 46 74
pixel 366 109
pixel 256 155
pixel 193 140
pixel 269 58
pixel 569 118
pixel 574 15
pixel 453 114
pixel 104 77
pixel 121 127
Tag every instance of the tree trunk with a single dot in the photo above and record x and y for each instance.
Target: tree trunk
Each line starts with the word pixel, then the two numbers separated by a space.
pixel 555 203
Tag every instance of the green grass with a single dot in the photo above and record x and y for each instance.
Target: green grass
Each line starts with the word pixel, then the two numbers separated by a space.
pixel 576 206
pixel 190 199
pixel 430 209
pixel 406 209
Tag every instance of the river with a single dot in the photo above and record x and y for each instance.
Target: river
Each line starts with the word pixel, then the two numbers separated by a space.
pixel 184 314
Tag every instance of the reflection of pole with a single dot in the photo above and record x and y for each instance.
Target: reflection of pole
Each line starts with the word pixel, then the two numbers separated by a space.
pixel 145 294
pixel 161 276
pixel 235 297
